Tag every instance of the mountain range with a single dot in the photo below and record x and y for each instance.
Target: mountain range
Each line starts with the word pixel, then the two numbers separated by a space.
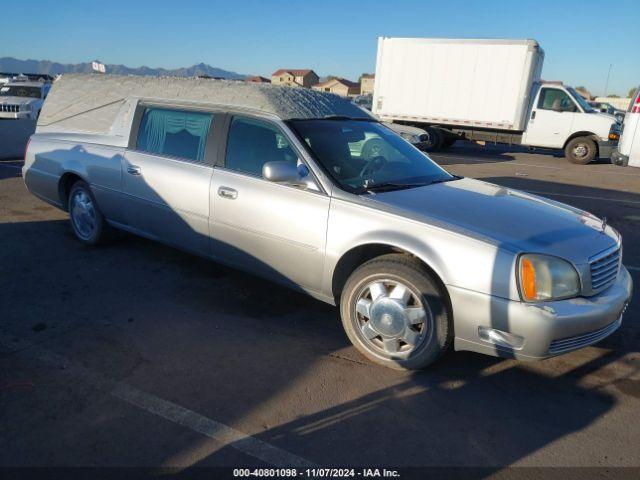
pixel 14 65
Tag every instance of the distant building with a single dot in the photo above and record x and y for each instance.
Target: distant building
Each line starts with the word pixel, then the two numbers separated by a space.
pixel 339 86
pixel 294 77
pixel 366 83
pixel 258 79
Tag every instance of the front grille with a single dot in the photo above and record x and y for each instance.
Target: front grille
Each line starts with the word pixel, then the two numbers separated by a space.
pixel 604 269
pixel 579 341
pixel 9 108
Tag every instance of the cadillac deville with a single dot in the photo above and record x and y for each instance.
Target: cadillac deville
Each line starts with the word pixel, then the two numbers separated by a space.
pixel 310 191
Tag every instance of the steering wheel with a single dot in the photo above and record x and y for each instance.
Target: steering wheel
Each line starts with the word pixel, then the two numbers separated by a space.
pixel 373 165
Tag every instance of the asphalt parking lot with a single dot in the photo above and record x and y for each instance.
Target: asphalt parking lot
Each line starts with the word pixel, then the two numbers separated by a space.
pixel 135 354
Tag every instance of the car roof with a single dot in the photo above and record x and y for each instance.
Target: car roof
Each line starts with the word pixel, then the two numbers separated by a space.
pixel 95 100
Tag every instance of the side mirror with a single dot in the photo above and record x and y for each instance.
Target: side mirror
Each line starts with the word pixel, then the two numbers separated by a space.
pixel 286 172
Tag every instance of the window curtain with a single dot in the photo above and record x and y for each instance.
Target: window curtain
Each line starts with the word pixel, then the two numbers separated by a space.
pixel 158 123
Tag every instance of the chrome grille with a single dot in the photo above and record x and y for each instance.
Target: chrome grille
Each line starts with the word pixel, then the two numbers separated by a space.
pixel 9 108
pixel 579 341
pixel 604 269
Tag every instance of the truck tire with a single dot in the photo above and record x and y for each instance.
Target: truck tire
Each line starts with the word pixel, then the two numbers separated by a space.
pixel 435 139
pixel 581 150
pixel 448 142
pixel 395 313
pixel 86 219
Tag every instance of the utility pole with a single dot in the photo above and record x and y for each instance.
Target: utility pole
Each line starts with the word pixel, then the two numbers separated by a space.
pixel 606 85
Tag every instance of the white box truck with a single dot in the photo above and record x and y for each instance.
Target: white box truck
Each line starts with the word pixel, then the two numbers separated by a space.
pixel 486 91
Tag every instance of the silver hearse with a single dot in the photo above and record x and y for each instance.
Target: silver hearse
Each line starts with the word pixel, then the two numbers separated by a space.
pixel 310 191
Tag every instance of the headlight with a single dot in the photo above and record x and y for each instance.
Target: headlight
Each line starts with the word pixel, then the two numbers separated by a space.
pixel 26 107
pixel 542 277
pixel 410 137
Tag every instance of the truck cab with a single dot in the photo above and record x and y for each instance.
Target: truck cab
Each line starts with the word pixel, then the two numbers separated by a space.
pixel 561 118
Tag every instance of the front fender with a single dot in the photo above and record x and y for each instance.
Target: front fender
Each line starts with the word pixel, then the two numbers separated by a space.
pixel 458 260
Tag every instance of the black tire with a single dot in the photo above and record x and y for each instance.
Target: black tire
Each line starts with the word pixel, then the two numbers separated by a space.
pixel 435 139
pixel 448 142
pixel 99 232
pixel 581 150
pixel 435 340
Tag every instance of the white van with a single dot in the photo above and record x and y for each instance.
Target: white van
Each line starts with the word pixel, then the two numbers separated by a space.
pixel 628 152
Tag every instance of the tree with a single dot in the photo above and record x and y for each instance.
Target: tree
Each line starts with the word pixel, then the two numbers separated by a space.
pixel 613 95
pixel 631 92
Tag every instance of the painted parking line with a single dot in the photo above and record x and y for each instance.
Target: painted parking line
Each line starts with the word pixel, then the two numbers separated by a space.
pixel 222 434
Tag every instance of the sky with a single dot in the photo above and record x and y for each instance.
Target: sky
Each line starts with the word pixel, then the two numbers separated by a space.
pixel 581 38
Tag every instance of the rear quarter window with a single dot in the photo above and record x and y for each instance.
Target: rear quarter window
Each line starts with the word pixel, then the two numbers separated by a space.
pixel 174 133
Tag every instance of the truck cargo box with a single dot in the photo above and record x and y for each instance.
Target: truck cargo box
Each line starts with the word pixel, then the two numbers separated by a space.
pixel 470 83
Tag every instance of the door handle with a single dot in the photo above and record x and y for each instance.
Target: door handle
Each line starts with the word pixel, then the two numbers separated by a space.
pixel 133 170
pixel 533 115
pixel 226 192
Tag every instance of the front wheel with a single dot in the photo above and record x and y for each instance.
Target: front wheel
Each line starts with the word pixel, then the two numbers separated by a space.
pixel 87 221
pixel 581 150
pixel 394 313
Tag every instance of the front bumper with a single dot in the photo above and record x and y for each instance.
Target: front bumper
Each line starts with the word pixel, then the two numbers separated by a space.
pixel 15 115
pixel 606 148
pixel 619 159
pixel 535 331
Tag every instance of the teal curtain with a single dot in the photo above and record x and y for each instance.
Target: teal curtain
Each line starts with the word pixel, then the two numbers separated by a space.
pixel 170 131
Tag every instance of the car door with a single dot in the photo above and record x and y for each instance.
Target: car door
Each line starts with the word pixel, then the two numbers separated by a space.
pixel 551 119
pixel 167 175
pixel 274 230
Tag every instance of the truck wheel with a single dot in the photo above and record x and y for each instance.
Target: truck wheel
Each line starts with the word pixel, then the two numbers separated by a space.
pixel 448 142
pixel 580 150
pixel 87 221
pixel 394 313
pixel 435 139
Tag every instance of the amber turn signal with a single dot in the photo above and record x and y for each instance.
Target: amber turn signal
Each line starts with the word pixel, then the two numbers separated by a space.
pixel 528 279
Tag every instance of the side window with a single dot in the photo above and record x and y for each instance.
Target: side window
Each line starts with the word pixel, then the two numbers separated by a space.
pixel 555 99
pixel 174 132
pixel 253 143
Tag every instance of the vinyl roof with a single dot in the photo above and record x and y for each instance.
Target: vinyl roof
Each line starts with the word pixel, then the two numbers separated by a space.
pixel 91 102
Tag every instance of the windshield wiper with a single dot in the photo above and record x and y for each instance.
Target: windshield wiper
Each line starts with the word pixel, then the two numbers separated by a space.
pixel 443 180
pixel 379 187
pixel 386 186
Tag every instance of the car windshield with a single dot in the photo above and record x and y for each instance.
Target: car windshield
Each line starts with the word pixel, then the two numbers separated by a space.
pixel 581 101
pixel 20 91
pixel 364 156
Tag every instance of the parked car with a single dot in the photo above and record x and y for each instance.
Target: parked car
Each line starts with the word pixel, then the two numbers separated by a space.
pixel 489 91
pixel 20 99
pixel 628 151
pixel 609 109
pixel 267 179
pixel 418 137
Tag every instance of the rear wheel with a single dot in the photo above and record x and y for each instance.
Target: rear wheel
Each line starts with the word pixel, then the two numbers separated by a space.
pixel 394 313
pixel 448 142
pixel 435 140
pixel 87 221
pixel 581 150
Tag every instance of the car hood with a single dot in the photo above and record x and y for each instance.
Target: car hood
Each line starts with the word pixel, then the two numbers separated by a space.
pixel 513 220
